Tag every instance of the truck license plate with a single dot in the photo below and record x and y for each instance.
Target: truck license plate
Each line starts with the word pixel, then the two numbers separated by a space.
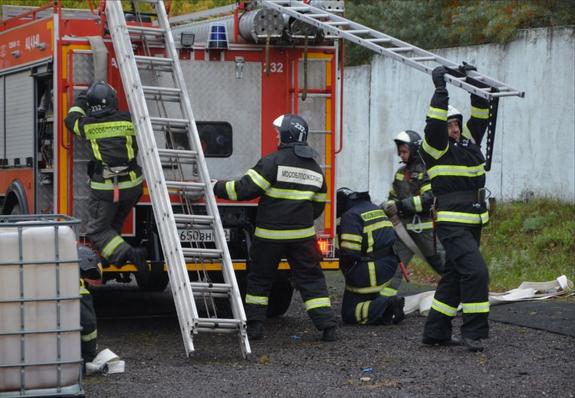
pixel 200 235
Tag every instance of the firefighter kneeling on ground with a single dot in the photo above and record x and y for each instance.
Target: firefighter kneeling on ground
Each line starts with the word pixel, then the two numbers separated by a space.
pixel 115 177
pixel 90 274
pixel 410 198
pixel 367 260
pixel 292 192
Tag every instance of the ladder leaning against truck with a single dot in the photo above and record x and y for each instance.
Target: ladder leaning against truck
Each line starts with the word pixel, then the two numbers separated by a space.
pixel 238 72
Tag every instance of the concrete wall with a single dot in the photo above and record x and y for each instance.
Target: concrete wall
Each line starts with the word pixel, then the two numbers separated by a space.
pixel 535 137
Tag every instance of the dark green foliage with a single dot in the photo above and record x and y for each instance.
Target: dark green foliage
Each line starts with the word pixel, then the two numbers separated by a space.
pixel 448 23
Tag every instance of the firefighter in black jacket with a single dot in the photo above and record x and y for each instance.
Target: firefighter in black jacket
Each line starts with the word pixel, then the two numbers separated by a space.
pixel 455 163
pixel 292 192
pixel 115 177
pixel 367 260
pixel 411 198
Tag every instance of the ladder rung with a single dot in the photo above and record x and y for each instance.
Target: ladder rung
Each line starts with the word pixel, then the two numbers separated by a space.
pixel 401 49
pixel 219 323
pixel 178 154
pixel 153 60
pixel 146 29
pixel 211 288
pixel 357 31
pixel 379 40
pixel 161 90
pixel 198 253
pixel 193 218
pixel 298 8
pixel 317 15
pixel 337 23
pixel 427 58
pixel 173 122
pixel 189 185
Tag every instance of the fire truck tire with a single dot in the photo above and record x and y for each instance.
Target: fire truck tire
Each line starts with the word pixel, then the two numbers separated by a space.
pixel 15 202
pixel 157 282
pixel 280 295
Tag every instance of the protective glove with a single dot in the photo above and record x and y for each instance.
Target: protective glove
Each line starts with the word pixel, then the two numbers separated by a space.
pixel 390 208
pixel 438 76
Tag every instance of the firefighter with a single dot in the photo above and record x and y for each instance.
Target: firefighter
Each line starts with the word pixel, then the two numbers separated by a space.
pixel 367 260
pixel 115 177
pixel 455 163
pixel 292 192
pixel 90 274
pixel 411 198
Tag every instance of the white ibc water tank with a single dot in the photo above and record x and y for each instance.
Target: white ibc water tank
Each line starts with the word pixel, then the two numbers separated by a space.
pixel 39 310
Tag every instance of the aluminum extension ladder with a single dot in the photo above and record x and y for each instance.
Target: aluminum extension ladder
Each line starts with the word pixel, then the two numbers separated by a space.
pixel 155 161
pixel 468 79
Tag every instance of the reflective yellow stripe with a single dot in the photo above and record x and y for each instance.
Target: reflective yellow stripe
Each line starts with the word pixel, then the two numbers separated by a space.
pixel 399 176
pixel 466 133
pixel 108 186
pixel 96 150
pixel 372 215
pixel 479 113
pixel 456 171
pixel 98 131
pixel 285 233
pixel 319 197
pixel 417 204
pixel 443 308
pixel 366 290
pixel 258 300
pixel 371 271
pixel 83 290
pixel 318 302
pixel 352 237
pixel 460 217
pixel 362 312
pixel 129 147
pixel 377 225
pixel 420 226
pixel 77 127
pixel 77 109
pixel 89 336
pixel 231 190
pixel 111 246
pixel 434 153
pixel 258 179
pixel 437 113
pixel 425 188
pixel 133 175
pixel 388 292
pixel 349 245
pixel 290 194
pixel 476 308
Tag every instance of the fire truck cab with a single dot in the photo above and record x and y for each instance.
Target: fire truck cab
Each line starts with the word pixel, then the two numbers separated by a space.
pixel 243 70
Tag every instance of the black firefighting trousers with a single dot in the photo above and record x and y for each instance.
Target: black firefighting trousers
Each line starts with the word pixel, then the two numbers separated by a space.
pixel 465 281
pixel 370 308
pixel 106 219
pixel 88 323
pixel 304 260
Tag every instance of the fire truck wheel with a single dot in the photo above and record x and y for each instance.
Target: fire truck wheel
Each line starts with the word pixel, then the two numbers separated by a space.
pixel 156 282
pixel 280 295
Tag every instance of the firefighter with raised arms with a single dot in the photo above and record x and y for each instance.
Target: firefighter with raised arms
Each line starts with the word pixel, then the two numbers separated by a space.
pixel 367 260
pixel 455 163
pixel 115 177
pixel 292 192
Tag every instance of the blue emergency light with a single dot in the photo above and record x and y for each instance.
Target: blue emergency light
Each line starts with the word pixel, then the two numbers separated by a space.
pixel 218 39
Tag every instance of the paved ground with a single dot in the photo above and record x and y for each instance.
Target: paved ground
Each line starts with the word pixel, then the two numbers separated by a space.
pixel 291 361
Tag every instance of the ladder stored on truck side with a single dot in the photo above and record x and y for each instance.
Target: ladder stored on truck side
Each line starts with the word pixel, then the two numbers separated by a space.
pixel 464 76
pixel 175 114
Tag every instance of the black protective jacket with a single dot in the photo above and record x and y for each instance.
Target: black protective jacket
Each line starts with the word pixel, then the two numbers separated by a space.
pixel 456 166
pixel 292 192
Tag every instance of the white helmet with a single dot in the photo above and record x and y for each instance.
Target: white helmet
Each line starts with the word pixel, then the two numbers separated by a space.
pixel 453 113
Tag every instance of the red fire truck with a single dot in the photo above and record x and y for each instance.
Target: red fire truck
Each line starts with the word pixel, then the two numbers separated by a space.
pixel 242 69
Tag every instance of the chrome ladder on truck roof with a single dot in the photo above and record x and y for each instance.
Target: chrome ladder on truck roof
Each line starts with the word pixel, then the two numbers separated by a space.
pixel 175 115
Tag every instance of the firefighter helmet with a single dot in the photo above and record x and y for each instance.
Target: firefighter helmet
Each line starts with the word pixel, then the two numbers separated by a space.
pixel 411 138
pixel 345 198
pixel 453 113
pixel 292 128
pixel 90 266
pixel 102 99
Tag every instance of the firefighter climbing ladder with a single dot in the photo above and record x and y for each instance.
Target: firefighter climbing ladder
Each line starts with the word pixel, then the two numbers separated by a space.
pixel 415 57
pixel 154 161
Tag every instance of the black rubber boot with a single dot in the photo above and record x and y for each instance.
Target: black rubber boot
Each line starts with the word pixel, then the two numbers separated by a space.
pixel 397 307
pixel 329 334
pixel 437 342
pixel 472 345
pixel 255 330
pixel 139 258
